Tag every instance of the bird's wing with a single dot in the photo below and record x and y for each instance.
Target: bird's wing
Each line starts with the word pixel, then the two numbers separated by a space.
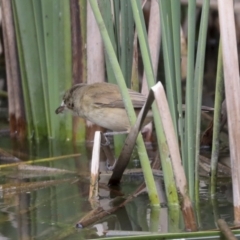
pixel 110 96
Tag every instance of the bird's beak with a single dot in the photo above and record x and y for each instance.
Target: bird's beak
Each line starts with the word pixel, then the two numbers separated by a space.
pixel 61 108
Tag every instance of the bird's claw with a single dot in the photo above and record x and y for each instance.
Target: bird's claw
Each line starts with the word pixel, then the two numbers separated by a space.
pixel 106 143
pixel 111 167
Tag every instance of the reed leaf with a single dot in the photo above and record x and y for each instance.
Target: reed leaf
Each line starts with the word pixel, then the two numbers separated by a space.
pixel 128 104
pixel 27 36
pixel 164 151
pixel 176 18
pixel 189 143
pixel 44 46
pixel 106 11
pixel 217 120
pixel 26 96
pixel 126 40
pixel 232 89
pixel 120 46
pixel 198 86
pixel 78 11
pixel 167 40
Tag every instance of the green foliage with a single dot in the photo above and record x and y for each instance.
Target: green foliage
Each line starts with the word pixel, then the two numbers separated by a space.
pixel 152 191
pixel 44 47
pixel 118 18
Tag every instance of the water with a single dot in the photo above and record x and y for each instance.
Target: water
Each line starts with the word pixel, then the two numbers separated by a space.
pixel 44 203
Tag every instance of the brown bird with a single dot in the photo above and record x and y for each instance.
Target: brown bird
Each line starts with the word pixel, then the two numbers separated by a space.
pixel 101 103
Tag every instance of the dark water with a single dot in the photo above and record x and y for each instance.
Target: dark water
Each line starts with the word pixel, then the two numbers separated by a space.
pixel 43 203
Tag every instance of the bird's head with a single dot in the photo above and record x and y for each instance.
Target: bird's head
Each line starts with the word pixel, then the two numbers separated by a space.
pixel 68 98
pixel 67 103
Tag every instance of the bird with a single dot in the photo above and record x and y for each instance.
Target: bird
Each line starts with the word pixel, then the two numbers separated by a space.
pixel 101 103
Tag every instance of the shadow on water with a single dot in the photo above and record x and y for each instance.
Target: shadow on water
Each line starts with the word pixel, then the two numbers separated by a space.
pixel 46 200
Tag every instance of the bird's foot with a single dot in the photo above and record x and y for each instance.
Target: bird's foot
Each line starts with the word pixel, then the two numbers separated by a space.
pixel 106 143
pixel 111 167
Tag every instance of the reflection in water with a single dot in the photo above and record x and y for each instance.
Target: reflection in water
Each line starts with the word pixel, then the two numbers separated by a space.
pixel 47 204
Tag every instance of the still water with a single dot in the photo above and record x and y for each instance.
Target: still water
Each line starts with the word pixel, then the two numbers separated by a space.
pixel 45 202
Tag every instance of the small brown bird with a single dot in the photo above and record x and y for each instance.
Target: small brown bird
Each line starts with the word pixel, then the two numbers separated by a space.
pixel 101 103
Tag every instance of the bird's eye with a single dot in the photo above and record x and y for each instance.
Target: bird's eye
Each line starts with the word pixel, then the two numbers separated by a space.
pixel 71 105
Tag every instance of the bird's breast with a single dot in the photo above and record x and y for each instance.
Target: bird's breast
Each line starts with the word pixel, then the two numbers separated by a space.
pixel 114 119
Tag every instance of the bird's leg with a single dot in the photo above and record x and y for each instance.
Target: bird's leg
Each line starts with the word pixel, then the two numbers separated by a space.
pixel 105 143
pixel 111 161
pixel 115 133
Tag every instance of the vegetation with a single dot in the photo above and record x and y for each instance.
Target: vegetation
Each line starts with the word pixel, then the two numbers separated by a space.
pixel 51 49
